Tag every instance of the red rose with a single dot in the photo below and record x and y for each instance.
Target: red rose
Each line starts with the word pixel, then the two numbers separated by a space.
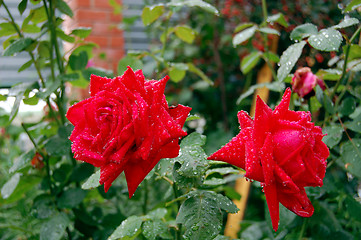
pixel 281 149
pixel 304 81
pixel 126 125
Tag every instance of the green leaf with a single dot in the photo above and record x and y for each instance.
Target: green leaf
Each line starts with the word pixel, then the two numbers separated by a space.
pixel 22 161
pixel 347 22
pixel 27 183
pixel 274 86
pixel 289 59
pixel 44 93
pixel 81 32
pixel 352 6
pixel 355 125
pixel 303 31
pixel 64 8
pixel 194 3
pixel 22 6
pixel 328 104
pixel 268 30
pixel 242 26
pixel 96 71
pixel 225 203
pixel 38 15
pixel 244 35
pixel 347 106
pixel 354 52
pixel 185 33
pixel 278 18
pixel 57 146
pixel 152 13
pixel 79 61
pixel 177 71
pixel 30 28
pixel 201 215
pixel 334 135
pixel 154 228
pixel 61 34
pixel 9 187
pixel 25 65
pixel 157 213
pixel 350 156
pixel 92 182
pixel 18 46
pixel 222 171
pixel 129 229
pixel 3 98
pixel 250 61
pixel 7 29
pixel 353 208
pixel 71 198
pixel 329 74
pixel 326 40
pixel 190 117
pixel 43 206
pixel 270 56
pixel 130 61
pixel 193 157
pixel 54 228
pixel 15 108
pixel 69 77
pixel 192 68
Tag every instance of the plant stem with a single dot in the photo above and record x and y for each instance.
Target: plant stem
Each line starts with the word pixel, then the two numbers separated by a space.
pixel 302 229
pixel 44 155
pixel 179 230
pixel 264 10
pixel 344 69
pixel 145 200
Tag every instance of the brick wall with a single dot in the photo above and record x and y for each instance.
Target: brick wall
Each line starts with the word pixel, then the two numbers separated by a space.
pixel 98 15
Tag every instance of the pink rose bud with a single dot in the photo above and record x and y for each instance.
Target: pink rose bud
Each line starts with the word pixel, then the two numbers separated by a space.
pixel 126 125
pixel 284 151
pixel 304 81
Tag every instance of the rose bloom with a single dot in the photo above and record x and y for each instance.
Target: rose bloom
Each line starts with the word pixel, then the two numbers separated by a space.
pixel 284 151
pixel 126 125
pixel 304 81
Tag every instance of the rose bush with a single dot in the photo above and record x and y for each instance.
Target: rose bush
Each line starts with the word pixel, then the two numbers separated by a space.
pixel 281 149
pixel 126 125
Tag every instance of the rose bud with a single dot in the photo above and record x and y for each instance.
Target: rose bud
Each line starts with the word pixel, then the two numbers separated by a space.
pixel 37 161
pixel 304 81
pixel 284 151
pixel 126 125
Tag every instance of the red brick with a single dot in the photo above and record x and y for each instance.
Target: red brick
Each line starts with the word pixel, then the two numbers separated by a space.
pixel 114 54
pixel 102 41
pixel 117 18
pixel 75 4
pixel 86 15
pixel 117 42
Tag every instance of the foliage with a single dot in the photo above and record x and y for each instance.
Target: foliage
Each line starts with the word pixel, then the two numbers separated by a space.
pixel 212 54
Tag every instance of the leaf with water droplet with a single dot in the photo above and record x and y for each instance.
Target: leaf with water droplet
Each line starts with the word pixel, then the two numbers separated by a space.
pixel 92 182
pixel 153 228
pixel 352 6
pixel 351 157
pixel 130 227
pixel 355 125
pixel 54 228
pixel 201 215
pixel 244 35
pixel 192 163
pixel 289 59
pixel 347 22
pixel 326 40
pixel 303 31
pixel 9 187
pixel 334 135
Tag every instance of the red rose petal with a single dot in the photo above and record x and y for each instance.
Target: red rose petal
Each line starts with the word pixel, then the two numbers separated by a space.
pixel 97 83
